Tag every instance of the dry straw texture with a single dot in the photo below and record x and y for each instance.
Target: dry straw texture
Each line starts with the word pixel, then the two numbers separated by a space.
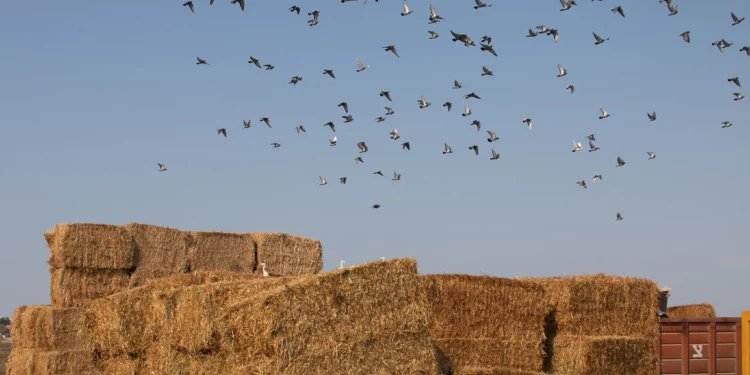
pixel 701 310
pixel 5 347
pixel 368 319
pixel 288 255
pixel 49 328
pixel 485 307
pixel 492 371
pixel 511 354
pixel 78 286
pixel 587 355
pixel 599 305
pixel 217 251
pixel 90 246
pixel 37 362
pixel 159 252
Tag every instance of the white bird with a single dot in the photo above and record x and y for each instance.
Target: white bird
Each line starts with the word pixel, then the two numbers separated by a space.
pixel 423 103
pixel 562 70
pixel 467 111
pixel 361 68
pixel 651 116
pixel 495 155
pixel 162 168
pixel 493 136
pixel 323 181
pixel 448 149
pixel 434 17
pixel 332 141
pixel 396 176
pixel 576 146
pixel 738 96
pixel 571 88
pixel 406 10
pixel 651 155
pixel 341 264
pixel 604 115
pixel 597 177
pixel 528 122
pixel 265 273
pixel 394 134
pixel 672 8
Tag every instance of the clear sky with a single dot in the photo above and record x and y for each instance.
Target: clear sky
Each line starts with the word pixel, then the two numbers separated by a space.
pixel 93 94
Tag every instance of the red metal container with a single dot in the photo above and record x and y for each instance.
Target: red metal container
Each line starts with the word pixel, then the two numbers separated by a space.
pixel 700 346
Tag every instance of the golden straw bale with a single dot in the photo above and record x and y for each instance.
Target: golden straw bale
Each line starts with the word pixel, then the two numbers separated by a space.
pixel 600 305
pixel 162 360
pixel 701 310
pixel 118 366
pixel 159 252
pixel 90 246
pixel 367 319
pixel 288 255
pixel 198 278
pixel 466 306
pixel 78 286
pixel 492 371
pixel 603 355
pixel 218 251
pixel 511 354
pixel 5 348
pixel 49 328
pixel 36 362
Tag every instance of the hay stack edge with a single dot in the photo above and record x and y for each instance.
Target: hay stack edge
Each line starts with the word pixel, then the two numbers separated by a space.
pixel 143 299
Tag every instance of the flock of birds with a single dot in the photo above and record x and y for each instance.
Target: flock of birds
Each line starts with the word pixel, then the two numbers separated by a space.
pixel 485 45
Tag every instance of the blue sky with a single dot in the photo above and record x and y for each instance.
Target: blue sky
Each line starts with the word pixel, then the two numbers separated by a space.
pixel 94 94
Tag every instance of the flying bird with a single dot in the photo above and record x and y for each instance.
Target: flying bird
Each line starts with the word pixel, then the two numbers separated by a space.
pixel 571 88
pixel 493 136
pixel 314 20
pixel 301 128
pixel 268 66
pixel 332 142
pixel 295 80
pixel 736 81
pixel 726 124
pixel 651 155
pixel 576 146
pixel 599 40
pixel 591 138
pixel 448 105
pixel 433 35
pixel 434 17
pixel 554 33
pixel 362 147
pixel 487 72
pixel 348 119
pixel 736 21
pixel 475 148
pixel 376 206
pixel 162 167
pixel 266 120
pixel 467 111
pixel 294 8
pixel 392 49
pixel 448 149
pixel 406 146
pixel 527 121
pixel 582 184
pixel 342 180
pixel 486 39
pixel 189 4
pixel 562 70
pixel 330 125
pixel 358 160
pixel 380 119
pixel 672 8
pixel 477 123
pixel 222 131
pixel 423 103
pixel 745 49
pixel 255 61
pixel 531 34
pixel 323 181
pixel 378 173
pixel 406 11
pixel 488 48
pixel 246 124
pixel 480 4
pixel 592 148
pixel 394 134
pixel 361 68
pixel 345 106
pixel 201 61
pixel 471 95
pixel 387 95
pixel 456 84
pixel 619 217
pixel 241 2
pixel 566 6
pixel 275 145
pixel 651 116
pixel 738 96
pixel 686 36
pixel 396 176
pixel 495 155
pixel 618 9
pixel 329 72
pixel 620 162
pixel 388 111
pixel 604 115
pixel 597 177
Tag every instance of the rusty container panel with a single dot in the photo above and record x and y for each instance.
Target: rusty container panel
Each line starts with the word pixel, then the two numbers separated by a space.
pixel 700 346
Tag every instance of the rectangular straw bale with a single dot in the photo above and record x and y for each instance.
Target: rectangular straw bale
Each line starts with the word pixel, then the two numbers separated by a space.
pixel 90 246
pixel 198 278
pixel 36 362
pixel 159 252
pixel 492 371
pixel 49 328
pixel 466 306
pixel 5 348
pixel 599 305
pixel 287 255
pixel 367 319
pixel 162 360
pixel 118 366
pixel 602 355
pixel 701 310
pixel 511 354
pixel 78 286
pixel 217 251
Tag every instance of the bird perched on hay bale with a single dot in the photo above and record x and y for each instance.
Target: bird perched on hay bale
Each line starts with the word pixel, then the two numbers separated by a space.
pixel 266 273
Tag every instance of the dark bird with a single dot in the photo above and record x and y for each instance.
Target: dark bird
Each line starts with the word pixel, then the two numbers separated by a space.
pixel 348 119
pixel 571 88
pixel 475 148
pixel 265 119
pixel 726 124
pixel 222 131
pixel 619 217
pixel 345 106
pixel 471 95
pixel 487 72
pixel 745 49
pixel 246 124
pixel 329 72
pixel 480 4
pixel 486 39
pixel 672 8
pixel 735 20
pixel 618 9
pixel 314 20
pixel 736 81
pixel 387 95
pixel 599 40
pixel 686 36
pixel 294 8
pixel 268 66
pixel 477 123
pixel 330 125
pixel 531 34
pixel 255 61
pixel 591 138
pixel 448 105
pixel 275 145
pixel 620 162
pixel 342 180
pixel 592 148
pixel 241 2
pixel 582 184
pixel 554 33
pixel 456 84
pixel 495 155
pixel 488 48
pixel 162 168
pixel 201 61
pixel 392 49
pixel 651 116
pixel 189 4
pixel 300 128
pixel 380 119
pixel 362 147
pixel 406 146
pixel 295 80
pixel 379 172
pixel 493 136
pixel 376 206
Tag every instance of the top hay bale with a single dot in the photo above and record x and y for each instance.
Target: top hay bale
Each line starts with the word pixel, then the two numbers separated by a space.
pixel 599 305
pixel 159 252
pixel 287 255
pixel 217 251
pixel 466 306
pixel 90 246
pixel 701 310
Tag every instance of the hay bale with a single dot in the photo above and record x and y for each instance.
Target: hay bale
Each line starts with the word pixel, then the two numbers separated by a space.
pixel 510 354
pixel 78 286
pixel 5 348
pixel 90 246
pixel 599 305
pixel 159 252
pixel 50 328
pixel 35 362
pixel 368 319
pixel 217 251
pixel 492 371
pixel 589 355
pixel 485 307
pixel 701 310
pixel 288 255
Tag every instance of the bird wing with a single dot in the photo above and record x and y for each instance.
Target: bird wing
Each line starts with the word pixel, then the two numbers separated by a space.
pixel 734 18
pixel 598 39
pixel 359 64
pixel 466 109
pixel 432 11
pixel 492 135
pixel 563 3
pixel 447 148
pixel 322 180
pixel 604 113
pixel 561 69
pixel 485 69
pixel 406 8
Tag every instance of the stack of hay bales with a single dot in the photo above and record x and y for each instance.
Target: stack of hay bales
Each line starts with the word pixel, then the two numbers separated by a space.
pixel 487 325
pixel 601 325
pixel 701 310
